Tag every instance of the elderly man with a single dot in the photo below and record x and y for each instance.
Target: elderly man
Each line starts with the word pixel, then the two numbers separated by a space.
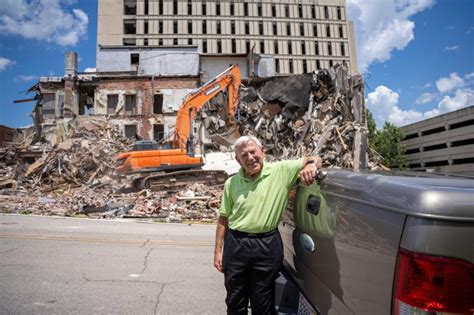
pixel 249 249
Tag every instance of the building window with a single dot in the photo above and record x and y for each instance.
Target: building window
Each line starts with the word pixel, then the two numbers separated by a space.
pixel 318 64
pixel 204 27
pixel 232 27
pixel 247 28
pixel 288 29
pixel 300 10
pixel 260 28
pixel 130 104
pixel 218 7
pixel 145 42
pixel 234 46
pixel 329 49
pixel 277 65
pixel 331 63
pixel 129 26
pixel 49 105
pixel 262 47
pixel 339 15
pixel 203 6
pixel 190 27
pixel 274 11
pixel 145 9
pixel 175 7
pixel 313 11
pixel 145 27
pixel 112 101
pixel 305 66
pixel 247 46
pixel 287 10
pixel 190 7
pixel 130 7
pixel 175 27
pixel 175 41
pixel 315 30
pixel 274 26
pixel 129 42
pixel 134 59
pixel 160 27
pixel 343 49
pixel 190 41
pixel 130 131
pixel 158 104
pixel 158 132
pixel 160 42
pixel 275 46
pixel 316 49
pixel 160 6
pixel 341 31
pixel 218 27
pixel 290 49
pixel 326 12
pixel 303 47
pixel 204 46
pixel 290 64
pixel 232 8
pixel 301 29
pixel 219 46
pixel 328 31
pixel 246 9
pixel 259 9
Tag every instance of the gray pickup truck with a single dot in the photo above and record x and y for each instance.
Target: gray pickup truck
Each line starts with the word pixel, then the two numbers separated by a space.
pixel 361 243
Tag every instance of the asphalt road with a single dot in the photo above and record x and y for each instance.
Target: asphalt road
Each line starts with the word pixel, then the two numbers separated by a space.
pixel 55 265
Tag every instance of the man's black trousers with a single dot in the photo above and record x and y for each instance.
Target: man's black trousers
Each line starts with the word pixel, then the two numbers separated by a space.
pixel 251 264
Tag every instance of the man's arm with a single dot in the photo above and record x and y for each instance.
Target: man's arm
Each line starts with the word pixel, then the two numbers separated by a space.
pixel 310 169
pixel 221 229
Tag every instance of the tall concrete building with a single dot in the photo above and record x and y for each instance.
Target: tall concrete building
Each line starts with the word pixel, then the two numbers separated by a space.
pixel 300 35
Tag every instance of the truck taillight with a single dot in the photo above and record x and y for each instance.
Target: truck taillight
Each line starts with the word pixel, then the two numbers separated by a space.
pixel 427 284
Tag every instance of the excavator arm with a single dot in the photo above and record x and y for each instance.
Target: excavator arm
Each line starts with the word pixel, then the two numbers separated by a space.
pixel 229 79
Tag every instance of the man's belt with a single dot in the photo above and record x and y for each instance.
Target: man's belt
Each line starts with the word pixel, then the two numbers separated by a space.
pixel 254 235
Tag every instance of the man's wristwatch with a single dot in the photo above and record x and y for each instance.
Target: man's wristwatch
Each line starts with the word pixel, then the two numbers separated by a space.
pixel 310 162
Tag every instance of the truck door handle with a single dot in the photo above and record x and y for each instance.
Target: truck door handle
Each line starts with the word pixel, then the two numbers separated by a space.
pixel 313 204
pixel 307 243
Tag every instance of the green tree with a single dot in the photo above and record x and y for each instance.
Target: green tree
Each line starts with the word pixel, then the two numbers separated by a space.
pixel 387 142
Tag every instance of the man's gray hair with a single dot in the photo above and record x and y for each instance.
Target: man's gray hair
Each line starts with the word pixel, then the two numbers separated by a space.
pixel 245 139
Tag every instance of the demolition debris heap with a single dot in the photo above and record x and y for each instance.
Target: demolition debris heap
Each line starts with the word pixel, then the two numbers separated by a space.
pixel 73 173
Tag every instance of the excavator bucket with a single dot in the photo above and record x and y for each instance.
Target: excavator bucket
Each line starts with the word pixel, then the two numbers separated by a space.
pixel 226 138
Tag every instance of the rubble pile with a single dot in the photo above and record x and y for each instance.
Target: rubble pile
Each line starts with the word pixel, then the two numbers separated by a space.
pixel 309 114
pixel 82 156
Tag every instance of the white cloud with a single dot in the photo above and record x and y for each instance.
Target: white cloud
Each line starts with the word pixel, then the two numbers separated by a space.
pixel 46 20
pixel 448 84
pixel 451 48
pixel 469 76
pixel 382 26
pixel 383 104
pixel 90 70
pixel 425 98
pixel 27 78
pixel 428 85
pixel 5 62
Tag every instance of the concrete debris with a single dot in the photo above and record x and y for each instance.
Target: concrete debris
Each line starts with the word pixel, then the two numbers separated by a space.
pixel 70 170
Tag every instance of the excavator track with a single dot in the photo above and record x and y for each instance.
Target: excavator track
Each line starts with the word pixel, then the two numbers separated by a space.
pixel 174 181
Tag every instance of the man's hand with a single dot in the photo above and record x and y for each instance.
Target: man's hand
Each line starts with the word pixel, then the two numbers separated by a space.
pixel 218 261
pixel 309 171
pixel 221 229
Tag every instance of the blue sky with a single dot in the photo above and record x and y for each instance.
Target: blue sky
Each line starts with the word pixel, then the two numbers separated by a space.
pixel 417 56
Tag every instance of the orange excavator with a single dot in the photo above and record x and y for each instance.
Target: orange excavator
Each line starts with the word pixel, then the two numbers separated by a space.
pixel 170 168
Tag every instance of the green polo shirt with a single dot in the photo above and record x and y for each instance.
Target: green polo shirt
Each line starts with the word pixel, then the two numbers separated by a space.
pixel 257 206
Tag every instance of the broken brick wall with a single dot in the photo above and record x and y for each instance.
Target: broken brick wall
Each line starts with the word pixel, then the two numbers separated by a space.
pixel 145 114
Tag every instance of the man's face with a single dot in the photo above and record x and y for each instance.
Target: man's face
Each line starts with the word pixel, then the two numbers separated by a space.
pixel 250 157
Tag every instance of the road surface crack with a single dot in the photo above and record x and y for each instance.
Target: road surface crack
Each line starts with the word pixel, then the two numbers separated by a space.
pixel 145 262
